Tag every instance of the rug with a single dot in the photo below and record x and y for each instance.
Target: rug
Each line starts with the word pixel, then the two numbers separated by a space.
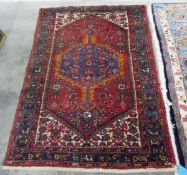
pixel 91 99
pixel 172 28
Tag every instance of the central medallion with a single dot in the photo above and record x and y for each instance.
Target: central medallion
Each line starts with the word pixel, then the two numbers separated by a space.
pixel 88 64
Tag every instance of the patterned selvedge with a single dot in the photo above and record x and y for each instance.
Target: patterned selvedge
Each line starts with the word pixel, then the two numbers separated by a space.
pixel 172 26
pixel 111 118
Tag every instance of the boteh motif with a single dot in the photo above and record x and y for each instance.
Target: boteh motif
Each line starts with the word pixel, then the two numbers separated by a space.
pixel 98 99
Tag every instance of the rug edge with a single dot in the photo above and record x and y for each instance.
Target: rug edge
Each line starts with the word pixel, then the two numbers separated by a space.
pixel 153 57
pixel 172 92
pixel 19 101
pixel 162 78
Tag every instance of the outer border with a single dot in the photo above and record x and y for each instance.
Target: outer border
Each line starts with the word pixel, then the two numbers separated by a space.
pixel 162 79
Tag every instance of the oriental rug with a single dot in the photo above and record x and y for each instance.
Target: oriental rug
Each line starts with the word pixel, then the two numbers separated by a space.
pixel 171 22
pixel 91 97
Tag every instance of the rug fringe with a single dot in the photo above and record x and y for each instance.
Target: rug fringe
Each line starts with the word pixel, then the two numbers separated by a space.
pixel 146 170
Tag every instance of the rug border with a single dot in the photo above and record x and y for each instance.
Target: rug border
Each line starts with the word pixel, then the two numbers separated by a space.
pixel 149 37
pixel 29 65
pixel 162 78
pixel 171 86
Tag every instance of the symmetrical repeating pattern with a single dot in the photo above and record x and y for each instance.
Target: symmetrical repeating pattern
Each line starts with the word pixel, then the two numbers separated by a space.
pixel 91 97
pixel 172 27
